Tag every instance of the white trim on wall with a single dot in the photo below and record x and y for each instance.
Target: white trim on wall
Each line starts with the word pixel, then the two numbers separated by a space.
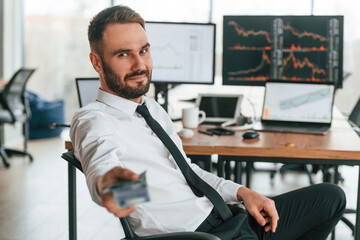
pixel 1 38
pixel 13 36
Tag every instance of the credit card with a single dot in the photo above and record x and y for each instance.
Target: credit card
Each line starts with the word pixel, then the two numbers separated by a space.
pixel 129 193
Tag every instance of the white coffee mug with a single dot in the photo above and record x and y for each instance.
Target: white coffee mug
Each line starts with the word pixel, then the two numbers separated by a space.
pixel 192 117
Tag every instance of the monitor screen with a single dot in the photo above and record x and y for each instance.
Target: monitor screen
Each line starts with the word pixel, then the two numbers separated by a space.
pixel 219 107
pixel 182 52
pixel 289 48
pixel 87 89
pixel 298 102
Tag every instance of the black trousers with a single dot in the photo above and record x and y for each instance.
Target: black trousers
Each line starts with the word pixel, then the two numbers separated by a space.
pixel 307 213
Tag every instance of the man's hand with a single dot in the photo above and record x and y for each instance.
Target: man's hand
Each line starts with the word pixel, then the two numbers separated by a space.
pixel 114 175
pixel 260 207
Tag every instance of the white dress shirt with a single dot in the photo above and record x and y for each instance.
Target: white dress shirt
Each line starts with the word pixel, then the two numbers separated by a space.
pixel 108 132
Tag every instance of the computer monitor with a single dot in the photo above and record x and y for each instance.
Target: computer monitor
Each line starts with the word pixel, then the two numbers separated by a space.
pixel 182 52
pixel 298 102
pixel 290 48
pixel 87 89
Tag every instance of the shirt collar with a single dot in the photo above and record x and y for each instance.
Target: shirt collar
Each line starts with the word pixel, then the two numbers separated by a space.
pixel 118 102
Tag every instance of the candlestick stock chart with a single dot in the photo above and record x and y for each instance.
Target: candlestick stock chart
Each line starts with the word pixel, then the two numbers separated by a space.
pixel 290 48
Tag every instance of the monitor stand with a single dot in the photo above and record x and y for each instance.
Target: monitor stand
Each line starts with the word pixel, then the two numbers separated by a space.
pixel 161 94
pixel 229 123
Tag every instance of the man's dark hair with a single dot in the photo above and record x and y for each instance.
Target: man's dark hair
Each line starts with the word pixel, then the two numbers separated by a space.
pixel 111 15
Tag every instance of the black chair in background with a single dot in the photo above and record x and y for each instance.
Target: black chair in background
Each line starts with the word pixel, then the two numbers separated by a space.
pixel 309 169
pixel 354 118
pixel 129 233
pixel 14 108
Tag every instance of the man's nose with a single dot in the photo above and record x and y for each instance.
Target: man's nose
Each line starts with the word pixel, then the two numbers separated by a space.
pixel 138 63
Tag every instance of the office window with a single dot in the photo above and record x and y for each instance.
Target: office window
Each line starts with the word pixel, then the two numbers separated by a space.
pixel 56 45
pixel 56 40
pixel 346 98
pixel 174 10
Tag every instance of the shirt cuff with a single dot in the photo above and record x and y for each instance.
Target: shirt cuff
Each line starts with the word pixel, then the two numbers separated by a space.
pixel 91 182
pixel 230 195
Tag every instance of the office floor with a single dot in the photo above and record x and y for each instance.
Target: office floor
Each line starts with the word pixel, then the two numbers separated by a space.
pixel 33 197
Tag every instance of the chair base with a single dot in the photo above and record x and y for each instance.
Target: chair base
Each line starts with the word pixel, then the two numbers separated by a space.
pixel 5 153
pixel 347 221
pixel 11 152
pixel 179 236
pixel 302 168
pixel 4 157
pixel 271 171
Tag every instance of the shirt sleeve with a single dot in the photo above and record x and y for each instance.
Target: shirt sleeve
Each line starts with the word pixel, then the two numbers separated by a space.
pixel 226 188
pixel 95 146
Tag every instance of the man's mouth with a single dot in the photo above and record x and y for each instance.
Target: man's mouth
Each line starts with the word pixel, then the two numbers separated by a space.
pixel 137 76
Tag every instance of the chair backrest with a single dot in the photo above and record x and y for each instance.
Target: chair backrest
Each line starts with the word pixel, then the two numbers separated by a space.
pixel 128 231
pixel 14 94
pixel 355 114
pixel 354 117
pixel 70 158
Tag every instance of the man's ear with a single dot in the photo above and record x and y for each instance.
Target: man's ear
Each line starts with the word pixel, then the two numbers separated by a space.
pixel 96 61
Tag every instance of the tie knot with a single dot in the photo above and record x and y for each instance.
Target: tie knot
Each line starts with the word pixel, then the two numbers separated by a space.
pixel 143 110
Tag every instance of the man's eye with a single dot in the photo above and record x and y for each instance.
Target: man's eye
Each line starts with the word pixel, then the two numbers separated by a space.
pixel 122 55
pixel 144 50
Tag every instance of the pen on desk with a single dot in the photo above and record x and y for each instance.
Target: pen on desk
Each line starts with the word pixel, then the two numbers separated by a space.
pixel 205 132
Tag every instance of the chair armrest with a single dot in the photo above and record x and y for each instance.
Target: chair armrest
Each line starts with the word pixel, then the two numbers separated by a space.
pixel 181 236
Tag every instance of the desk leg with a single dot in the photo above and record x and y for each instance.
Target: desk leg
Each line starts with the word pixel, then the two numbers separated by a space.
pixel 208 163
pixel 72 201
pixel 249 166
pixel 220 166
pixel 238 172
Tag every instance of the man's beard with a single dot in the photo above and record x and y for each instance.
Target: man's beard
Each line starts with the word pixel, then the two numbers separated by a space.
pixel 115 84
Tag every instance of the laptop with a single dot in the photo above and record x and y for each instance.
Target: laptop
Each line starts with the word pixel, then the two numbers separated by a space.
pixel 220 108
pixel 297 107
pixel 87 89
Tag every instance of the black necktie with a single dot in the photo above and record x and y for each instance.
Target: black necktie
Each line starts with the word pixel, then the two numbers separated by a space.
pixel 199 186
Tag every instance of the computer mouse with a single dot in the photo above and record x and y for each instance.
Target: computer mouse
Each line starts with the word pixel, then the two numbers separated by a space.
pixel 186 133
pixel 250 134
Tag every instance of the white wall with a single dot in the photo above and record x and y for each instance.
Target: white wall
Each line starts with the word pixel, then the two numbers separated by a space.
pixel 13 36
pixel 1 37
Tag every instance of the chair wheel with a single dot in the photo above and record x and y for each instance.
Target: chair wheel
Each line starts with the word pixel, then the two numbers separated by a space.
pixel 6 164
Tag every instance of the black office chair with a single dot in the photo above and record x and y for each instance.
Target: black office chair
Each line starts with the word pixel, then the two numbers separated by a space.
pixel 354 118
pixel 14 107
pixel 309 169
pixel 129 233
